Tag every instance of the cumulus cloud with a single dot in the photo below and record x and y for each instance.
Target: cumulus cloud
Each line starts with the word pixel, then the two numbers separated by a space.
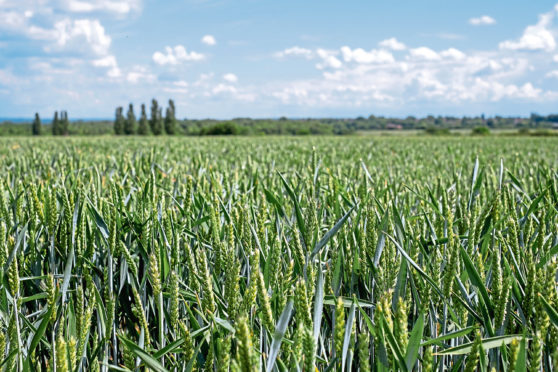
pixel 208 40
pixel 111 6
pixel 424 53
pixel 74 34
pixel 329 59
pixel 176 55
pixel 387 74
pixel 535 37
pixel 224 88
pixel 296 51
pixel 421 75
pixel 231 78
pixel 359 55
pixel 453 53
pixel 393 44
pixel 140 74
pixel 108 62
pixel 482 20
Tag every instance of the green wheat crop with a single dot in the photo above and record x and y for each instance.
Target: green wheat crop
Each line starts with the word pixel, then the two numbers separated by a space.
pixel 279 254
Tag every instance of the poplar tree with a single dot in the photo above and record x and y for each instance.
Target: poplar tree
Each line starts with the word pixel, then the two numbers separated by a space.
pixel 36 127
pixel 119 121
pixel 64 123
pixel 143 127
pixel 156 118
pixel 170 119
pixel 55 125
pixel 130 126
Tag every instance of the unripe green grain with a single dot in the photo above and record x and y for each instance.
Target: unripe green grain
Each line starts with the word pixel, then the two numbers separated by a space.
pixel 302 306
pixel 535 353
pixel 339 327
pixel 154 274
pixel 364 351
pixel 208 301
pixel 308 350
pixel 265 306
pixel 514 352
pixel 473 357
pixel 245 351
pixel 401 316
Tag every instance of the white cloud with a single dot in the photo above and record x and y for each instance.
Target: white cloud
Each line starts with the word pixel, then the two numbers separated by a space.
pixel 552 74
pixel 231 78
pixel 482 20
pixel 424 53
pixel 393 44
pixel 535 37
pixel 110 63
pixel 74 34
pixel 423 75
pixel 111 6
pixel 140 74
pixel 359 55
pixel 59 30
pixel 224 88
pixel 555 58
pixel 176 55
pixel 296 51
pixel 329 59
pixel 453 53
pixel 208 40
pixel 181 83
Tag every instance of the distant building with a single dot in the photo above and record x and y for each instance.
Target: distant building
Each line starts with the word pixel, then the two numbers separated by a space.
pixel 393 126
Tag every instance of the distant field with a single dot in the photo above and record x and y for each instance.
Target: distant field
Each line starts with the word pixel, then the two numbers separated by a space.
pixel 279 253
pixel 463 132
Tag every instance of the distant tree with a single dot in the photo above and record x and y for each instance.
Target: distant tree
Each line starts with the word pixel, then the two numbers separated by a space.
pixel 156 118
pixel 56 125
pixel 170 119
pixel 480 131
pixel 64 123
pixel 119 121
pixel 227 128
pixel 36 127
pixel 130 126
pixel 143 127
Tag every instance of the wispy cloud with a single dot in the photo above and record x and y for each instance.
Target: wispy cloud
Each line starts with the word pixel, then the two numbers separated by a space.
pixel 176 55
pixel 209 40
pixel 482 20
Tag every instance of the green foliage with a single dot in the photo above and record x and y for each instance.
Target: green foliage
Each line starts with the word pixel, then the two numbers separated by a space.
pixel 130 125
pixel 56 128
pixel 196 253
pixel 436 131
pixel 170 119
pixel 156 121
pixel 221 129
pixel 64 123
pixel 36 126
pixel 307 126
pixel 119 122
pixel 143 127
pixel 480 131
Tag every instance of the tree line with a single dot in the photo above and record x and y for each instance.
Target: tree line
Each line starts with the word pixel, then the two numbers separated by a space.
pixel 59 125
pixel 126 123
pixel 156 124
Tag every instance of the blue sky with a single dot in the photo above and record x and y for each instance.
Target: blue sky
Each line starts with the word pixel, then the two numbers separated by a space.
pixel 226 59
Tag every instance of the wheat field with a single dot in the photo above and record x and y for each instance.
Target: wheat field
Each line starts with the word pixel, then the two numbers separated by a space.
pixel 278 254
